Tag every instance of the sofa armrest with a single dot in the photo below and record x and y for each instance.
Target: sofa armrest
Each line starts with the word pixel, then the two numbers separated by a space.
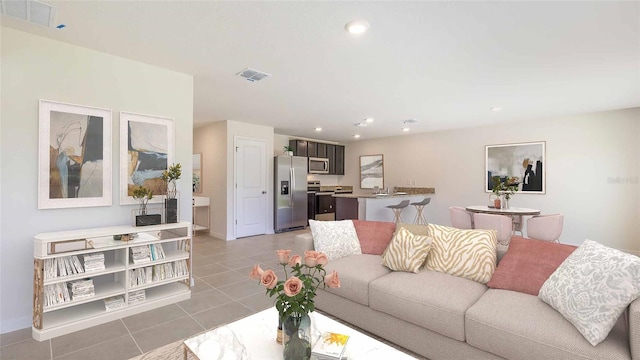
pixel 634 329
pixel 302 243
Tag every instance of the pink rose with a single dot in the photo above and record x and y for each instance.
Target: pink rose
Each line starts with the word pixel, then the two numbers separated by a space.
pixel 256 272
pixel 332 280
pixel 283 256
pixel 292 286
pixel 311 253
pixel 295 260
pixel 322 259
pixel 269 279
pixel 310 259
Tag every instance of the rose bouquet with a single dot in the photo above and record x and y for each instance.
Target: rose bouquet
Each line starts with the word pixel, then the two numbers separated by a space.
pixel 294 297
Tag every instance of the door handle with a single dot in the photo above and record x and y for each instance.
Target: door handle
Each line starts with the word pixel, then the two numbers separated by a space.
pixel 263 192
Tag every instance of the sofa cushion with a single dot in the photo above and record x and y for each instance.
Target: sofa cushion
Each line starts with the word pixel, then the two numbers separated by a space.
pixel 374 236
pixel 469 254
pixel 592 288
pixel 406 252
pixel 514 325
pixel 356 272
pixel 528 264
pixel 336 239
pixel 430 299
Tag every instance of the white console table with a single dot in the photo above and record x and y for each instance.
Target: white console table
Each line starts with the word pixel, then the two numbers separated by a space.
pixel 201 203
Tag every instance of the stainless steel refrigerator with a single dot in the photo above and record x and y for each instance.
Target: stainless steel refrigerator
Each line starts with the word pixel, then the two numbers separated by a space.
pixel 290 193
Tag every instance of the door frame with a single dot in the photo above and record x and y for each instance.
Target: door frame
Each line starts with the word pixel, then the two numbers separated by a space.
pixel 235 182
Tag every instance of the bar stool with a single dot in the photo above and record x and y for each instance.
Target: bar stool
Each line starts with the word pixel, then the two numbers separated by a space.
pixel 420 219
pixel 397 210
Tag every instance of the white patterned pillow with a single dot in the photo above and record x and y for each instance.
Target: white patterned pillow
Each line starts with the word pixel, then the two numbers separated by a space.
pixel 335 238
pixel 406 251
pixel 470 254
pixel 592 287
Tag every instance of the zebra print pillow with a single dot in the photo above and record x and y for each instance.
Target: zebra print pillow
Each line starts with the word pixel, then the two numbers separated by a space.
pixel 406 252
pixel 470 254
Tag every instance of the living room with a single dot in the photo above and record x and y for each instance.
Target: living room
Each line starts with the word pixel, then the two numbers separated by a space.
pixel 593 156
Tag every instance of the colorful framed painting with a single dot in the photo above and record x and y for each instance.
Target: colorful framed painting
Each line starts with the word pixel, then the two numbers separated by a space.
pixel 371 171
pixel 74 156
pixel 146 150
pixel 523 163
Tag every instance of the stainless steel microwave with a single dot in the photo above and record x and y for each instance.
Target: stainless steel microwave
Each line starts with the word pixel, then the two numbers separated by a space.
pixel 318 166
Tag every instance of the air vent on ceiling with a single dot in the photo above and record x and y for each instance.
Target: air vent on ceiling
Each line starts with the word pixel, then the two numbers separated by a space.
pixel 410 121
pixel 252 75
pixel 29 10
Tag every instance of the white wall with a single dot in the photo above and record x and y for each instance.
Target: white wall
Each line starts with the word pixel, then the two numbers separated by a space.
pixel 592 171
pixel 36 68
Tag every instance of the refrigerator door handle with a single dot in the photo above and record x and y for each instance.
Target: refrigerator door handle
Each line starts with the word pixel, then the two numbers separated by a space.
pixel 292 180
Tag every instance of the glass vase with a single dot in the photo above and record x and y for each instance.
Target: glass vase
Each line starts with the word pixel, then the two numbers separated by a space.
pixel 296 337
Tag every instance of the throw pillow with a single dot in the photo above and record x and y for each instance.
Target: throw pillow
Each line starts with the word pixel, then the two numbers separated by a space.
pixel 374 236
pixel 336 239
pixel 470 254
pixel 592 288
pixel 528 264
pixel 406 252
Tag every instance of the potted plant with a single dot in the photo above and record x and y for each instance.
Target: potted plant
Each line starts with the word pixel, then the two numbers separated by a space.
pixel 143 195
pixel 288 150
pixel 170 176
pixel 503 188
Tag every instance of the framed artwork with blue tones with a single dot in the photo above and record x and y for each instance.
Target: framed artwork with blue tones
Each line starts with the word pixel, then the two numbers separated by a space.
pixel 146 150
pixel 522 164
pixel 74 156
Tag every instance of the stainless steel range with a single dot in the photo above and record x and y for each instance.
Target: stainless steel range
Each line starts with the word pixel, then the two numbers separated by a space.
pixel 321 203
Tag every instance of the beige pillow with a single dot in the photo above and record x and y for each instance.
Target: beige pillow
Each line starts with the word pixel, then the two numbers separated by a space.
pixel 406 251
pixel 470 254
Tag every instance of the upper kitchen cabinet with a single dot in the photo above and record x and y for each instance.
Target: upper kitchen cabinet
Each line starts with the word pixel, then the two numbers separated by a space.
pixel 339 160
pixel 331 155
pixel 312 149
pixel 322 150
pixel 299 147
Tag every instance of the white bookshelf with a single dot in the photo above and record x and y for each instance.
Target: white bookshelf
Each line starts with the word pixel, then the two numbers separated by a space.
pixel 64 318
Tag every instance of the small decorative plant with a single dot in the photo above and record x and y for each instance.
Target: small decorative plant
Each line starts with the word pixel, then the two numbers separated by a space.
pixel 169 176
pixel 143 195
pixel 506 188
pixel 288 149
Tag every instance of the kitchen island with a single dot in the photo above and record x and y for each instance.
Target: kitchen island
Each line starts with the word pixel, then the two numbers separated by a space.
pixel 374 207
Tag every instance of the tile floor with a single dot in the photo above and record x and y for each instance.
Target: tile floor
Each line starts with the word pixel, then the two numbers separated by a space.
pixel 223 293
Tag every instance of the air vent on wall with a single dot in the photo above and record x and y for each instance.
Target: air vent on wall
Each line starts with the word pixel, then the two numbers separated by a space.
pixel 32 11
pixel 252 75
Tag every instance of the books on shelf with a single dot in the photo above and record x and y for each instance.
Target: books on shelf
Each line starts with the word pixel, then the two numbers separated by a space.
pixel 140 254
pixel 62 266
pixel 160 272
pixel 81 289
pixel 114 303
pixel 157 252
pixel 330 346
pixel 137 296
pixel 55 294
pixel 94 262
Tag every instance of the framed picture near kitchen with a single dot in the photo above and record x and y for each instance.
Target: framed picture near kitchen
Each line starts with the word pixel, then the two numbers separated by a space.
pixel 371 171
pixel 522 162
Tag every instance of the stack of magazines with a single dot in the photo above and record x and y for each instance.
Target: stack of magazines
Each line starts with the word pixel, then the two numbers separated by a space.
pixel 330 346
pixel 94 262
pixel 81 289
pixel 137 296
pixel 114 303
pixel 140 254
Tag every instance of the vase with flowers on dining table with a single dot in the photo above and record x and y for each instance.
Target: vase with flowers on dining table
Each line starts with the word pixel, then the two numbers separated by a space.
pixel 294 297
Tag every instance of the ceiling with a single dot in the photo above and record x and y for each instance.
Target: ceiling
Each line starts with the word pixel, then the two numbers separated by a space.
pixel 442 63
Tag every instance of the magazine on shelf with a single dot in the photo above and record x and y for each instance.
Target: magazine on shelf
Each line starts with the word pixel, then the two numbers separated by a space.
pixel 330 346
pixel 114 303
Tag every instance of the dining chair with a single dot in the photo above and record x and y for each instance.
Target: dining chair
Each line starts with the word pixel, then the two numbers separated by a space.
pixel 500 223
pixel 545 227
pixel 460 218
pixel 517 224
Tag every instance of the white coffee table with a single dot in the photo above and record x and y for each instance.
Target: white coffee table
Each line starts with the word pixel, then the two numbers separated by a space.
pixel 254 337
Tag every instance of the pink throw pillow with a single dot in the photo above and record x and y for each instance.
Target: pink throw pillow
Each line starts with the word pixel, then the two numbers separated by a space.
pixel 528 264
pixel 374 236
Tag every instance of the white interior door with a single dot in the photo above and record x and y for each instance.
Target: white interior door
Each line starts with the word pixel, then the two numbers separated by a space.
pixel 251 187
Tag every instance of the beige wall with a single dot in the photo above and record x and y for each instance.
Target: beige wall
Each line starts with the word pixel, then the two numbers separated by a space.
pixel 34 68
pixel 592 171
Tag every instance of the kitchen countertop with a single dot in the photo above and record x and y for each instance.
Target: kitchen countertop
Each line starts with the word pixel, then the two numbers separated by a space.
pixel 374 196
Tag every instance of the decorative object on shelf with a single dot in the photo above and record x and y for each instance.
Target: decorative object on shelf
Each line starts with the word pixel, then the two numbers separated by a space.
pixel 143 195
pixel 524 161
pixel 169 177
pixel 288 150
pixel 146 150
pixel 197 173
pixel 294 297
pixel 371 171
pixel 503 188
pixel 74 156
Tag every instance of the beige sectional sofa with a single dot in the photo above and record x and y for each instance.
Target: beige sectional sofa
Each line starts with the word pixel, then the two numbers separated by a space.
pixel 441 316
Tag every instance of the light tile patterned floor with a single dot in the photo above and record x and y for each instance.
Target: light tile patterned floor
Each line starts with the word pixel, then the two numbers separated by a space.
pixel 222 294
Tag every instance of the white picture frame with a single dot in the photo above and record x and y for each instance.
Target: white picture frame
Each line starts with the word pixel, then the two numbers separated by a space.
pixel 371 171
pixel 74 156
pixel 524 161
pixel 152 151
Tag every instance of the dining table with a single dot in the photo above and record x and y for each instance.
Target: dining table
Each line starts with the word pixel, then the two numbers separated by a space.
pixel 515 213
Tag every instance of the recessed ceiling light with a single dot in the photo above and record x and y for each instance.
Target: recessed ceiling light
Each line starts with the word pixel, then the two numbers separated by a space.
pixel 318 129
pixel 405 129
pixel 368 120
pixel 496 109
pixel 356 136
pixel 357 26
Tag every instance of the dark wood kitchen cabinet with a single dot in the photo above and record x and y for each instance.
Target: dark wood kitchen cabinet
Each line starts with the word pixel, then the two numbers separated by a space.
pixel 339 160
pixel 322 150
pixel 335 153
pixel 312 149
pixel 346 208
pixel 331 155
pixel 299 147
